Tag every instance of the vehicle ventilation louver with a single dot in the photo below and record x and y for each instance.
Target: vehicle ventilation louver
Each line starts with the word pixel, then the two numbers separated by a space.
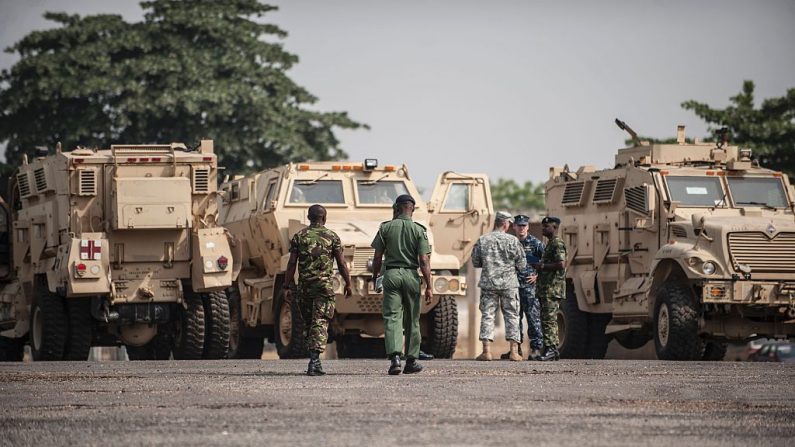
pixel 572 195
pixel 41 179
pixel 678 231
pixel 88 183
pixel 605 191
pixel 201 180
pixel 24 184
pixel 636 199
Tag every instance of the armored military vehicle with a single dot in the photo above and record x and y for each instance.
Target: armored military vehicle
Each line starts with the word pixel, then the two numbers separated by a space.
pixel 115 246
pixel 264 210
pixel 689 244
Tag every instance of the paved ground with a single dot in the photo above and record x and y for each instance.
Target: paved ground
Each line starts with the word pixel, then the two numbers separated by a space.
pixel 451 403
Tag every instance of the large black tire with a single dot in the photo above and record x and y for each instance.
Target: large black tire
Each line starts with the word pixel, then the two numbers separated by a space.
pixel 354 346
pixel 216 321
pixel 633 339
pixel 12 349
pixel 597 339
pixel 676 324
pixel 442 329
pixel 240 346
pixel 572 327
pixel 714 351
pixel 289 329
pixel 189 334
pixel 81 329
pixel 49 327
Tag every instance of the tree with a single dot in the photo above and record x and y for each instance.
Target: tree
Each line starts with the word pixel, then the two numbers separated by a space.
pixel 769 130
pixel 190 70
pixel 508 195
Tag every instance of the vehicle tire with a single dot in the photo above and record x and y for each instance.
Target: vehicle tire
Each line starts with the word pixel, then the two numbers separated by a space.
pixel 189 333
pixel 216 321
pixel 676 324
pixel 81 329
pixel 442 329
pixel 289 330
pixel 49 326
pixel 714 351
pixel 597 339
pixel 634 339
pixel 572 327
pixel 12 349
pixel 240 346
pixel 354 346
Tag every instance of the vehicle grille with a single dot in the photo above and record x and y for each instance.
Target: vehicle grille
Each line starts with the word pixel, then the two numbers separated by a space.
pixel 762 254
pixel 361 256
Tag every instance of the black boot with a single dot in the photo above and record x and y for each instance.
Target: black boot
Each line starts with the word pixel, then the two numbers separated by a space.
pixel 394 365
pixel 412 366
pixel 507 355
pixel 315 368
pixel 550 354
pixel 425 356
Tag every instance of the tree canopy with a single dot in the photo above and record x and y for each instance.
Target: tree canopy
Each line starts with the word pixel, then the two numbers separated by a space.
pixel 508 195
pixel 189 70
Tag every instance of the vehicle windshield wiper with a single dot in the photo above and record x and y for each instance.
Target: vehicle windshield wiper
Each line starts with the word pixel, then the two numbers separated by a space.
pixel 312 182
pixel 373 182
pixel 763 204
pixel 721 202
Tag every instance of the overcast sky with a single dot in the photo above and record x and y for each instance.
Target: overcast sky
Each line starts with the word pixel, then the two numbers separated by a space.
pixel 509 88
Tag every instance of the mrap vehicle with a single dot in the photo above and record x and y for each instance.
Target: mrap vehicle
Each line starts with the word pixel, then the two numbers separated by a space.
pixel 689 244
pixel 264 210
pixel 118 246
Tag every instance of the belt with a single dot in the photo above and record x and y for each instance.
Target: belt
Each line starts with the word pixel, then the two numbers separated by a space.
pixel 392 267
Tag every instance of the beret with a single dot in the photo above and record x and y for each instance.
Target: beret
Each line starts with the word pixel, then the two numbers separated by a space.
pixel 550 219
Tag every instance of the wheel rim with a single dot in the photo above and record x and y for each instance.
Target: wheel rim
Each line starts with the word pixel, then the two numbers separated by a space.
pixel 38 328
pixel 285 324
pixel 561 329
pixel 663 325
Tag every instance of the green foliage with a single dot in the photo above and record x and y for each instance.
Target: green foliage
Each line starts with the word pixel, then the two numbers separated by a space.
pixel 510 196
pixel 769 130
pixel 190 70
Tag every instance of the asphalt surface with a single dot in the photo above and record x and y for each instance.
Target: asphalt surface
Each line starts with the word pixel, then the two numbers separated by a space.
pixel 457 402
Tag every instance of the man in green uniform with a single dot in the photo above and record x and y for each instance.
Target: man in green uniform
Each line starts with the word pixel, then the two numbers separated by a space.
pixel 551 285
pixel 404 245
pixel 314 249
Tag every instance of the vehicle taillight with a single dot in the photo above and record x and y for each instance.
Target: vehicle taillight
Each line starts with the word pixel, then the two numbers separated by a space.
pixel 80 269
pixel 223 262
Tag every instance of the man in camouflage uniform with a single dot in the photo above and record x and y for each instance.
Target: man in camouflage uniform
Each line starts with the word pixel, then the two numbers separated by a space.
pixel 314 249
pixel 501 257
pixel 551 286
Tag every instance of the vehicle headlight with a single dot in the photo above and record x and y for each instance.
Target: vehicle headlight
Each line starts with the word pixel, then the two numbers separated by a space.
pixel 454 285
pixel 708 268
pixel 440 285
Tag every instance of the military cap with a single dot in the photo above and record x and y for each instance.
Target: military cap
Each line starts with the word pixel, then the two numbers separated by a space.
pixel 504 215
pixel 521 219
pixel 405 198
pixel 550 219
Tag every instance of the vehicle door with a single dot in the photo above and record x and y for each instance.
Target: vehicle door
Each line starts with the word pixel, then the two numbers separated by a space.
pixel 460 211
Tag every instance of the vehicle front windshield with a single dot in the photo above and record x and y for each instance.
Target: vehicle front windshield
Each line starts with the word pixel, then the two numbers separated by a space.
pixel 317 191
pixel 696 191
pixel 758 191
pixel 379 193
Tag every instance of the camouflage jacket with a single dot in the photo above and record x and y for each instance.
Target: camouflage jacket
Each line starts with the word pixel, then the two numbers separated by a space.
pixel 552 283
pixel 315 246
pixel 533 250
pixel 501 256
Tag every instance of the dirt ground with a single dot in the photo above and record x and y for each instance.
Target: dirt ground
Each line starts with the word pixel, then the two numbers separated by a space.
pixel 456 402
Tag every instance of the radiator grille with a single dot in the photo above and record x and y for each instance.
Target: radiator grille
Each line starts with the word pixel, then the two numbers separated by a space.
pixel 762 254
pixel 201 180
pixel 360 258
pixel 24 184
pixel 572 195
pixel 636 199
pixel 605 191
pixel 41 179
pixel 88 183
pixel 678 231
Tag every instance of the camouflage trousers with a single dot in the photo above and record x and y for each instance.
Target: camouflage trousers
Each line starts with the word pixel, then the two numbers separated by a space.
pixel 508 301
pixel 530 308
pixel 316 302
pixel 549 319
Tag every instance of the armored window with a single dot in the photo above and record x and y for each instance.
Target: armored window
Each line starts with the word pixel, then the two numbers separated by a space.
pixel 758 191
pixel 637 199
pixel 269 196
pixel 695 191
pixel 605 191
pixel 41 179
pixel 317 191
pixel 379 193
pixel 572 194
pixel 87 185
pixel 201 180
pixel 24 184
pixel 457 198
pixel 235 192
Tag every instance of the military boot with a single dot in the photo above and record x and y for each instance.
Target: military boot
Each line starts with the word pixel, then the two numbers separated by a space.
pixel 515 354
pixel 394 365
pixel 314 368
pixel 425 356
pixel 550 354
pixel 507 355
pixel 412 366
pixel 486 354
pixel 535 355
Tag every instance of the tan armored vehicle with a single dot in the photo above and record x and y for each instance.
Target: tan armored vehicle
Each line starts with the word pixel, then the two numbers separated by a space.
pixel 116 246
pixel 691 245
pixel 266 209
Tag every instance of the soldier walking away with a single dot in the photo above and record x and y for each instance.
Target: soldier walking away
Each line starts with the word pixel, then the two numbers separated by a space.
pixel 528 302
pixel 551 286
pixel 403 244
pixel 501 257
pixel 314 249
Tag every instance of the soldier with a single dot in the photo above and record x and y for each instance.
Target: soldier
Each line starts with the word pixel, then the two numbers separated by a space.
pixel 501 256
pixel 404 246
pixel 551 286
pixel 314 249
